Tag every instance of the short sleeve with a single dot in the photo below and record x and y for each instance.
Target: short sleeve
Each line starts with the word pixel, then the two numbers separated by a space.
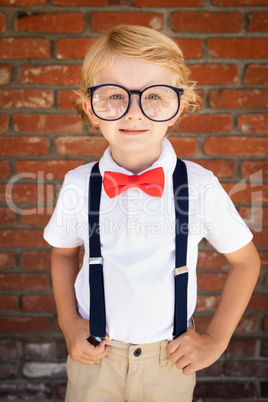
pixel 68 224
pixel 225 229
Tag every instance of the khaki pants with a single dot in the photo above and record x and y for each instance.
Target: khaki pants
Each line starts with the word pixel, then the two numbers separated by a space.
pixel 132 373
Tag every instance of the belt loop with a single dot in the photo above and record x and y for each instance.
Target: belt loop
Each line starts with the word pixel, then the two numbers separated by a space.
pixel 163 355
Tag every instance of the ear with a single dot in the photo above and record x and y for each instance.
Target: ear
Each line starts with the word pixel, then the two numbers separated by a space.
pixel 87 109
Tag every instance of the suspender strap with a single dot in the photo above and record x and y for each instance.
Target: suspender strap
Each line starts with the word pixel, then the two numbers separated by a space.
pixel 181 201
pixel 97 301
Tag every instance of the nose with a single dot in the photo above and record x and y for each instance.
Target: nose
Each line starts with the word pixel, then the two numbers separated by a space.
pixel 134 111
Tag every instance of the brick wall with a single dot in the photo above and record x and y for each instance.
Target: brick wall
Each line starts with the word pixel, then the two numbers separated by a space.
pixel 42 45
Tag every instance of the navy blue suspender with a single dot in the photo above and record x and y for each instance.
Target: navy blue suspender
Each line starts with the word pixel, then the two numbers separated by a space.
pixel 97 301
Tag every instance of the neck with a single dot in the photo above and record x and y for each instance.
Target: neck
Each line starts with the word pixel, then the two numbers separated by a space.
pixel 136 163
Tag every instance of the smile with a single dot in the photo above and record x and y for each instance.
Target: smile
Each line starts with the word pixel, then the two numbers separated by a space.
pixel 132 131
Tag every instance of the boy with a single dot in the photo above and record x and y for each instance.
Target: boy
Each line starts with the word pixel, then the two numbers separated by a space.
pixel 134 88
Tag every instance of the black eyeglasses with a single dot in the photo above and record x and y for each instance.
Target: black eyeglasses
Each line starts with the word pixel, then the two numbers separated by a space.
pixel 158 102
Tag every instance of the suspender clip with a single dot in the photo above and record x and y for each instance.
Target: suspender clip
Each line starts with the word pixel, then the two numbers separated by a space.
pixel 95 260
pixel 180 270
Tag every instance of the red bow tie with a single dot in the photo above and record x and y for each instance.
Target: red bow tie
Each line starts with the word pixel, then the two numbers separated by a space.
pixel 151 182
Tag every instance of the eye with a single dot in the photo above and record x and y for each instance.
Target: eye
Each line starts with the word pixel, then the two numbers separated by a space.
pixel 153 97
pixel 117 96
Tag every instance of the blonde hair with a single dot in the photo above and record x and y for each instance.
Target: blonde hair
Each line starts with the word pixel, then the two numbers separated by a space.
pixel 135 42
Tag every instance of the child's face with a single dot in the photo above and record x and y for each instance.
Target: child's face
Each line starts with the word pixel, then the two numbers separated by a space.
pixel 133 134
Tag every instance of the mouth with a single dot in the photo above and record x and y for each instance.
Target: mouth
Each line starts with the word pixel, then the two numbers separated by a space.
pixel 132 131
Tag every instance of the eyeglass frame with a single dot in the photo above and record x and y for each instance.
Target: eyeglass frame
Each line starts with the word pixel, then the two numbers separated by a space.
pixel 130 92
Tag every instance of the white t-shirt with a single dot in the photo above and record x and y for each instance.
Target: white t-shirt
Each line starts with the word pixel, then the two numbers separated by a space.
pixel 137 235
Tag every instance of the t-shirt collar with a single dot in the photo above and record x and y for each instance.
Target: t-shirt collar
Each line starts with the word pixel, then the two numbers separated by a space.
pixel 167 160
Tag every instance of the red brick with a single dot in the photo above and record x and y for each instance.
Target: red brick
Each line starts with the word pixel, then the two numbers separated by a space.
pixel 167 3
pixel 264 259
pixel 265 324
pixel 24 281
pixel 215 370
pixel 258 302
pixel 211 281
pixel 36 260
pixel 237 389
pixel 56 325
pixel 253 368
pixel 73 48
pixel 191 48
pixel 240 3
pixel 258 22
pixel 35 391
pixel 38 351
pixel 86 146
pixel 249 168
pixel 264 349
pixel 22 238
pixel 244 192
pixel 61 390
pixel 51 23
pixel 2 23
pixel 5 74
pixel 7 260
pixel 7 217
pixel 61 350
pixel 25 325
pixel 220 168
pixel 239 99
pixel 24 48
pixel 184 146
pixel 211 260
pixel 24 3
pixel 212 74
pixel 248 324
pixel 200 21
pixel 207 303
pixel 38 303
pixel 205 123
pixel 8 371
pixel 102 20
pixel 86 2
pixel 261 237
pixel 257 216
pixel 36 217
pixel 242 348
pixel 236 146
pixel 23 146
pixel 9 350
pixel 256 74
pixel 253 123
pixel 47 123
pixel 4 121
pixel 24 192
pixel 26 98
pixel 9 303
pixel 65 99
pixel 5 169
pixel 239 48
pixel 57 168
pixel 50 75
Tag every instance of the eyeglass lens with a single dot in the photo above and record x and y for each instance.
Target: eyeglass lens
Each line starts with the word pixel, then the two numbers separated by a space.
pixel 158 103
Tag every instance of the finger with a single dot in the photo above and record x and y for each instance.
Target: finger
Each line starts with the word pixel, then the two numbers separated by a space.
pixel 188 369
pixel 182 363
pixel 173 346
pixel 96 352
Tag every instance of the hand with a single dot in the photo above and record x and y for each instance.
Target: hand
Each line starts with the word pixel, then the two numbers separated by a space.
pixel 79 349
pixel 192 352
